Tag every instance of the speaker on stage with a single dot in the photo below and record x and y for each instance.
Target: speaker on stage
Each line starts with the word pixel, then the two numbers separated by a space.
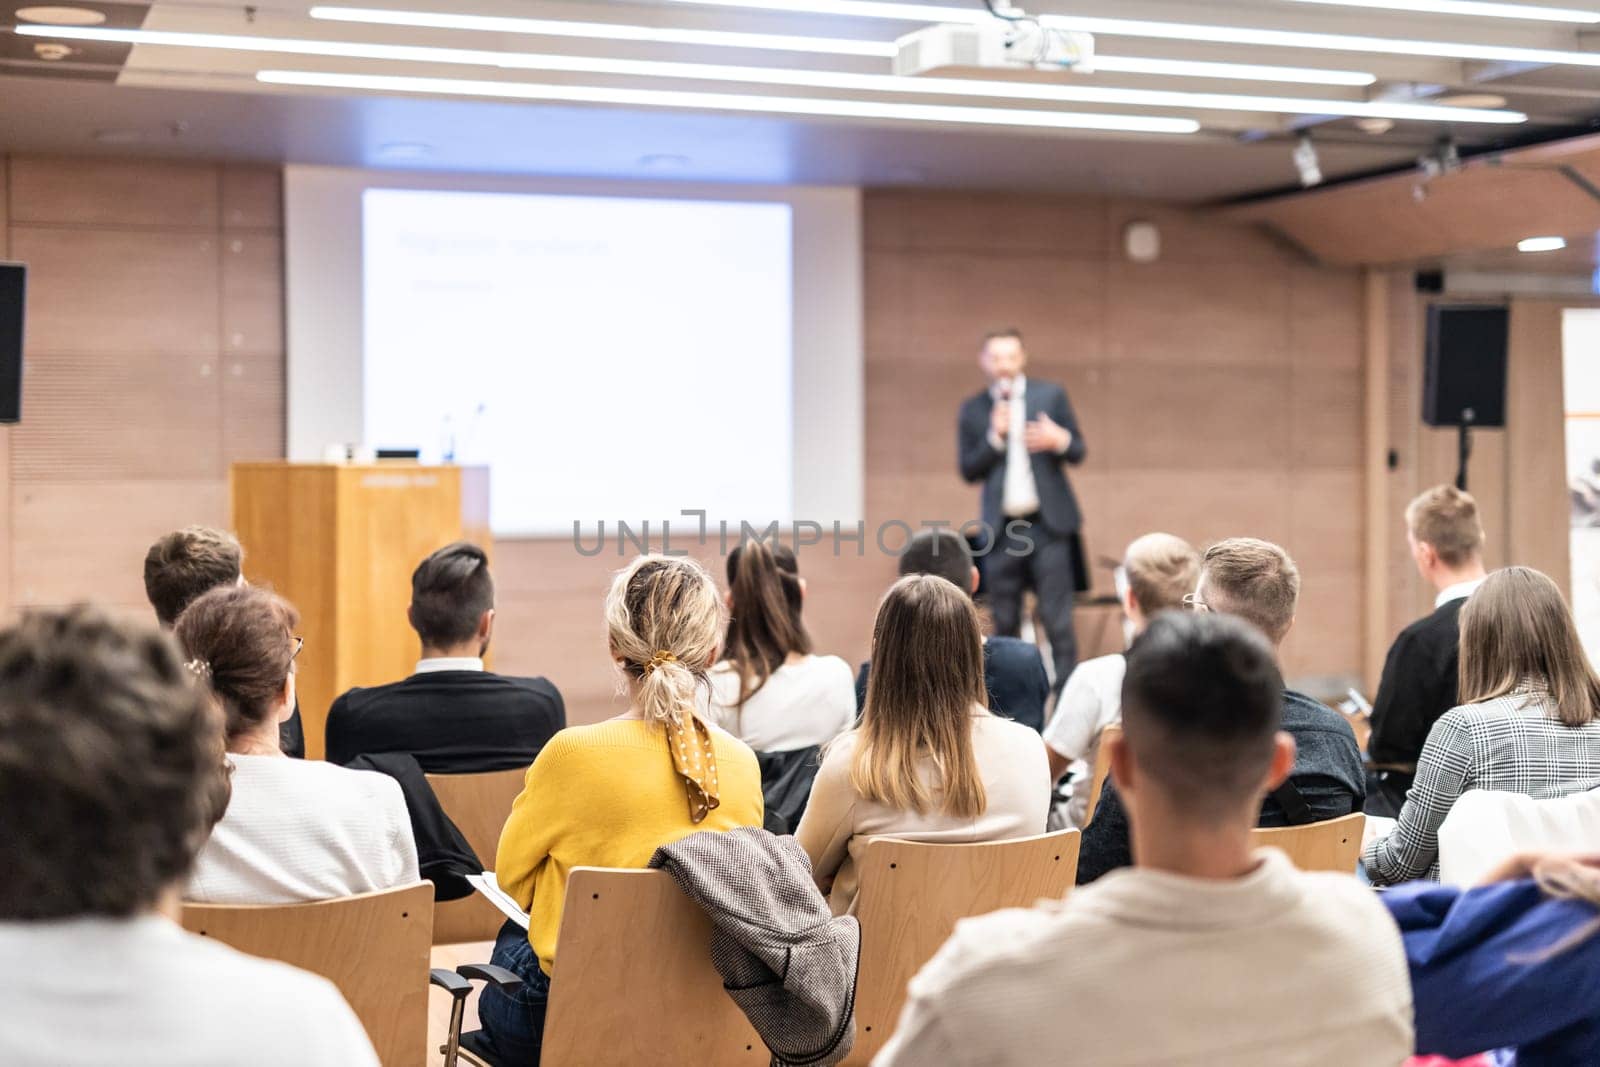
pixel 1465 380
pixel 13 279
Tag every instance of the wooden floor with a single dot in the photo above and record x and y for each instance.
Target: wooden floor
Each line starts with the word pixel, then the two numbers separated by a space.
pixel 450 957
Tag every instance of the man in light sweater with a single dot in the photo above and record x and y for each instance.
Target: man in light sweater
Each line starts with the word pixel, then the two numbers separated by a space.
pixel 1204 952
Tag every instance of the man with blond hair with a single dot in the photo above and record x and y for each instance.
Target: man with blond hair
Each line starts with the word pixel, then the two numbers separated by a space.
pixel 1255 581
pixel 1157 572
pixel 1419 675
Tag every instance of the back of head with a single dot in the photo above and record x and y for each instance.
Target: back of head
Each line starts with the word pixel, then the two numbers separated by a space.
pixel 663 617
pixel 450 591
pixel 186 563
pixel 1202 701
pixel 1162 570
pixel 926 680
pixel 1516 628
pixel 240 641
pixel 1447 519
pixel 111 766
pixel 764 626
pixel 942 553
pixel 1255 580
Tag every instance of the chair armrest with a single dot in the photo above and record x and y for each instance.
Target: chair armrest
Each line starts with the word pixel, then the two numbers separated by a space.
pixel 451 982
pixel 501 978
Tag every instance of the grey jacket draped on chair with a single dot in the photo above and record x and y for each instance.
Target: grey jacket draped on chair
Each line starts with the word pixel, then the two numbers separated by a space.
pixel 785 959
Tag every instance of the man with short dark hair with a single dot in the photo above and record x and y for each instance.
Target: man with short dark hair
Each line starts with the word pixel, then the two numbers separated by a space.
pixel 1206 951
pixel 451 714
pixel 1013 669
pixel 195 560
pixel 1419 674
pixel 112 773
pixel 1255 581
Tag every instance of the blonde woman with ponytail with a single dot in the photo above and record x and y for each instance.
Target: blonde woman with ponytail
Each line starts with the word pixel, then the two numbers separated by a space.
pixel 610 794
pixel 770 690
pixel 929 761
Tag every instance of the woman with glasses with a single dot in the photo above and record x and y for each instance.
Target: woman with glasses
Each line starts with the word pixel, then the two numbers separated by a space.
pixel 294 830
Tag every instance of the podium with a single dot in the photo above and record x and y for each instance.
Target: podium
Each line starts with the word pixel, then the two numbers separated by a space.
pixel 340 541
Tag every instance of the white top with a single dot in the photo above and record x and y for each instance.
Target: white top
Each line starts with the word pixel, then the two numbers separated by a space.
pixel 1458 591
pixel 808 702
pixel 449 663
pixel 1090 701
pixel 1276 969
pixel 1020 493
pixel 142 993
pixel 839 822
pixel 1485 827
pixel 300 830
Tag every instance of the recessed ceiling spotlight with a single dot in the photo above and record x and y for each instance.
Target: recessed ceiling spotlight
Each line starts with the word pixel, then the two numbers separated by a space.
pixel 1376 127
pixel 663 161
pixel 1541 244
pixel 118 136
pixel 62 16
pixel 395 150
pixel 52 51
pixel 1490 100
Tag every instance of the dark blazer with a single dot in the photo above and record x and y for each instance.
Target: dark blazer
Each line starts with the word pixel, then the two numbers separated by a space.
pixel 1418 685
pixel 453 722
pixel 981 462
pixel 1014 675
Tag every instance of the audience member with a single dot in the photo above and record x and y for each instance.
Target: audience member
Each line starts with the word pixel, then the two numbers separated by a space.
pixel 1419 675
pixel 295 829
pixel 1014 674
pixel 111 774
pixel 929 761
pixel 770 690
pixel 451 714
pixel 610 794
pixel 1158 571
pixel 1513 964
pixel 1529 722
pixel 1486 827
pixel 1258 582
pixel 195 560
pixel 1205 952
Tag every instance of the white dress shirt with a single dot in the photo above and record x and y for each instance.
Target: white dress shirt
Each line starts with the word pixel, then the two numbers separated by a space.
pixel 449 663
pixel 1089 702
pixel 1458 591
pixel 1020 495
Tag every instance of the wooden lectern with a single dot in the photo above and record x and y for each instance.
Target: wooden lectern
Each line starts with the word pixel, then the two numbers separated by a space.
pixel 340 542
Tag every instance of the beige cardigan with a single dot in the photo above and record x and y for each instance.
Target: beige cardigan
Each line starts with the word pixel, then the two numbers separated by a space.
pixel 839 822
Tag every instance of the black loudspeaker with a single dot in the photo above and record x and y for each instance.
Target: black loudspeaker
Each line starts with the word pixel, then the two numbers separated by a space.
pixel 1465 380
pixel 13 283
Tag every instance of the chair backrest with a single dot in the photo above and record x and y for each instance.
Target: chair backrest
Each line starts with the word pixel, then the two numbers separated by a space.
pixel 374 947
pixel 1333 845
pixel 634 983
pixel 478 804
pixel 912 894
pixel 1102 768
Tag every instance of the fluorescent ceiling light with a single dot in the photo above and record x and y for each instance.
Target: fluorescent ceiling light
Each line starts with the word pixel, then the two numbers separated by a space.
pixel 610 31
pixel 1180 31
pixel 1541 244
pixel 775 105
pixel 1471 7
pixel 802 78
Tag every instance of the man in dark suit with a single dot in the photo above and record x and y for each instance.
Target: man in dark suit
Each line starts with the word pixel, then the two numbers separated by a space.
pixel 1419 675
pixel 195 560
pixel 452 715
pixel 1013 670
pixel 1014 438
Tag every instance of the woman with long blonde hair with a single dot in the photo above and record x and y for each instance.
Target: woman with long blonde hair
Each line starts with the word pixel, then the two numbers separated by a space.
pixel 1529 721
pixel 929 761
pixel 610 794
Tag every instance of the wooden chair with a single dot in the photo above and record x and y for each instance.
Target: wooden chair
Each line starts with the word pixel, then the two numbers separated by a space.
pixel 1102 769
pixel 913 893
pixel 478 804
pixel 374 947
pixel 634 985
pixel 1334 845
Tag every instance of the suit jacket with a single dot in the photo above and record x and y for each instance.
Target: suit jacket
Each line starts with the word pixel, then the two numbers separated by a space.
pixel 981 462
pixel 1418 685
pixel 453 722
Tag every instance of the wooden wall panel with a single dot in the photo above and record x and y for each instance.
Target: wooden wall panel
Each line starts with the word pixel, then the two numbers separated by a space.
pixel 98 193
pixel 252 198
pixel 1539 531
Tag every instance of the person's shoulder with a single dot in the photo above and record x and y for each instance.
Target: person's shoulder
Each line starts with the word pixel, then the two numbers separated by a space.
pixel 1304 712
pixel 730 749
pixel 1343 905
pixel 1012 654
pixel 359 697
pixel 538 685
pixel 1009 733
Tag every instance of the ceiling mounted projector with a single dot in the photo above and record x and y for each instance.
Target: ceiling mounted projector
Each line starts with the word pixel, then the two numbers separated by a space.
pixel 1000 44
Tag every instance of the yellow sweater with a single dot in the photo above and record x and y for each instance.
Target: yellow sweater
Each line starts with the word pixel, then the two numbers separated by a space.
pixel 606 796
